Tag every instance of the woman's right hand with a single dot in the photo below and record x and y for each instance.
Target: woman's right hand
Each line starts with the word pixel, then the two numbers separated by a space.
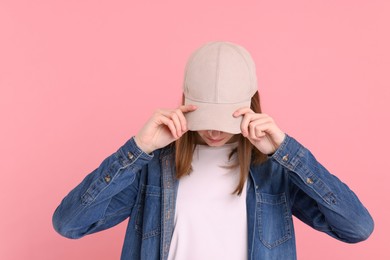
pixel 164 127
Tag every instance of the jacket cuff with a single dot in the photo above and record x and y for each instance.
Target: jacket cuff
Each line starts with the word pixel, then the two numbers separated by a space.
pixel 286 152
pixel 131 153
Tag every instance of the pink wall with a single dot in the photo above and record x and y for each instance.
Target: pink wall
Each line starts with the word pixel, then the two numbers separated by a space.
pixel 78 78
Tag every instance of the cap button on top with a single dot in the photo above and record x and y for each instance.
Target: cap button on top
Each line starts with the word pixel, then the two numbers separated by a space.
pixel 285 158
pixel 309 180
pixel 130 155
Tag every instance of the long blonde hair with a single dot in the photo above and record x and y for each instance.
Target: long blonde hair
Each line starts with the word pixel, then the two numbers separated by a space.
pixel 186 144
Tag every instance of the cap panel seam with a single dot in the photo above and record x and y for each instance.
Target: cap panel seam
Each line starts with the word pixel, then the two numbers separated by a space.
pixel 248 66
pixel 217 74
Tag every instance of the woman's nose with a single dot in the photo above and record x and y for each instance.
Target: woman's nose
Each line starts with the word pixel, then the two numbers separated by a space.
pixel 214 133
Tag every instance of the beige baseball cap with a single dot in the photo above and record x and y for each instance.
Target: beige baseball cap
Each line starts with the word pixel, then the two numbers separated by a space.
pixel 219 78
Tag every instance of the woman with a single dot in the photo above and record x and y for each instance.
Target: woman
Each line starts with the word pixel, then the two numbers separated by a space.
pixel 214 178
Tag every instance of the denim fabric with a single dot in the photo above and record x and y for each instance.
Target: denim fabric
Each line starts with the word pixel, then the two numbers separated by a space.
pixel 131 183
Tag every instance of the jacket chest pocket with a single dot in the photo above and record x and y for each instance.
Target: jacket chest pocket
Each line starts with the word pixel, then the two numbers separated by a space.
pixel 273 219
pixel 148 217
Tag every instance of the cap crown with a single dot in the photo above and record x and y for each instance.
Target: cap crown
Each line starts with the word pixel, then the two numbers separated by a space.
pixel 220 73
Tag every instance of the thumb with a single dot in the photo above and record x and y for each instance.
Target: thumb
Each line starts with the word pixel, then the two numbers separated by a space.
pixel 188 108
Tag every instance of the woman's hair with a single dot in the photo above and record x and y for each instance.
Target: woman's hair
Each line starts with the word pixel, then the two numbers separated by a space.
pixel 186 144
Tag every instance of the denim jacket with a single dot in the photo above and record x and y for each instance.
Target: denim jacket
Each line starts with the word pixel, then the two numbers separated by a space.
pixel 131 183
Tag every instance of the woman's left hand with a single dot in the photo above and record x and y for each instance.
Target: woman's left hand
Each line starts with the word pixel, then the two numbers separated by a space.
pixel 260 129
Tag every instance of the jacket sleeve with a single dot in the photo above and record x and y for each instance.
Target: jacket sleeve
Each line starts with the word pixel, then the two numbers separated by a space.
pixel 105 197
pixel 319 198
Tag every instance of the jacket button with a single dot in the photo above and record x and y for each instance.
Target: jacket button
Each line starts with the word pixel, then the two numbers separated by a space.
pixel 107 178
pixel 285 158
pixel 130 155
pixel 309 181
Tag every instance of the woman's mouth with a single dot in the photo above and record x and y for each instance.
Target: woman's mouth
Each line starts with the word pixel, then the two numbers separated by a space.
pixel 214 140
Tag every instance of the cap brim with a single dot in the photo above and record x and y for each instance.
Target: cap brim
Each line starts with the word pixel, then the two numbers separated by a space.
pixel 214 116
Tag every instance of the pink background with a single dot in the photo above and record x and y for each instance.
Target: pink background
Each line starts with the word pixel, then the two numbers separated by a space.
pixel 79 78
